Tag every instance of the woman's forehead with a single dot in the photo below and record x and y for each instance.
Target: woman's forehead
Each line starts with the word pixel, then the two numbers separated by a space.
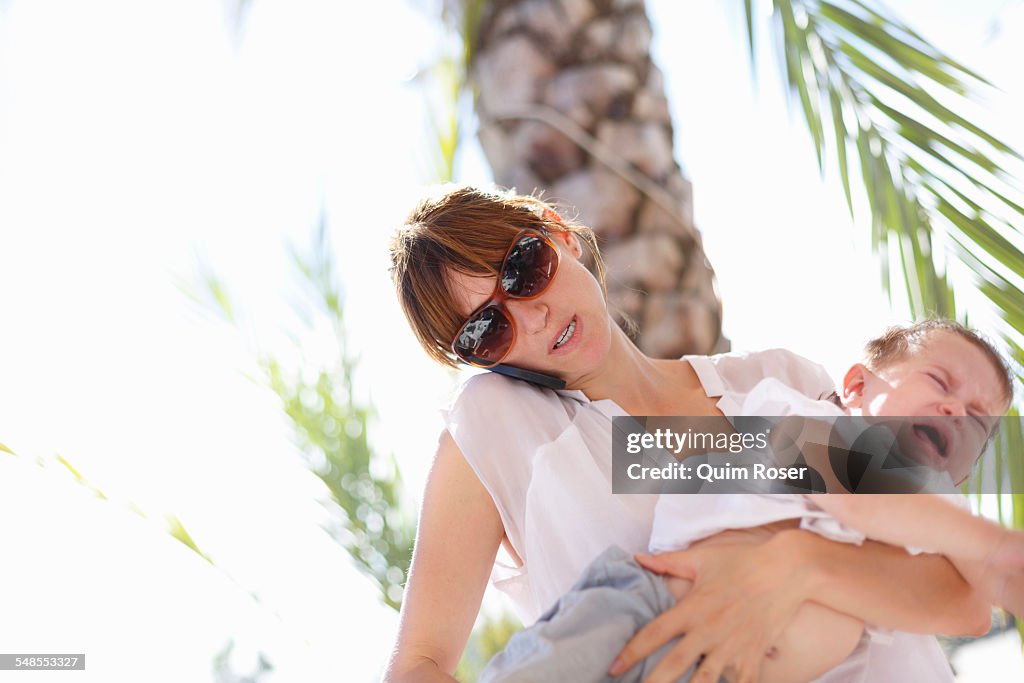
pixel 470 291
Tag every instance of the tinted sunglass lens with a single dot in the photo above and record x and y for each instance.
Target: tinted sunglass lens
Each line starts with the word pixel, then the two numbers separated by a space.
pixel 485 338
pixel 529 267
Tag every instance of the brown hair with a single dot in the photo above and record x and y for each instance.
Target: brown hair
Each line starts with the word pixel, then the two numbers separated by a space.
pixel 466 230
pixel 896 342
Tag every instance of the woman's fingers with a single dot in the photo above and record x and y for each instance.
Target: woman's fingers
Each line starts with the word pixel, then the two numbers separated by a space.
pixel 729 616
pixel 656 633
pixel 747 671
pixel 747 667
pixel 677 661
pixel 743 655
pixel 709 670
pixel 680 563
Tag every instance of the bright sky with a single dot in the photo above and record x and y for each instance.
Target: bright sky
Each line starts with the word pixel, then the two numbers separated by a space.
pixel 136 134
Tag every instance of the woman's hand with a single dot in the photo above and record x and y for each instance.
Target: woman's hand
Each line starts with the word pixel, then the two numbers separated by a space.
pixel 743 597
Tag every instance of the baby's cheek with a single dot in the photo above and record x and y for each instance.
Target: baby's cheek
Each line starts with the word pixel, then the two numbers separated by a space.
pixel 878 406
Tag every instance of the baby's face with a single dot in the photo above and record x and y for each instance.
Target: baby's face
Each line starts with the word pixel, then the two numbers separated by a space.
pixel 948 381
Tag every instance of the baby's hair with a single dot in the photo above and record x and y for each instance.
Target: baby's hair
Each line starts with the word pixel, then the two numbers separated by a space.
pixel 900 340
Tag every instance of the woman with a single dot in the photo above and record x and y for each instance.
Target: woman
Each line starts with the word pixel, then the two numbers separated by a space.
pixel 499 279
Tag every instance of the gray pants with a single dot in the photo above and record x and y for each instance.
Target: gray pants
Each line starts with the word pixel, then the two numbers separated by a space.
pixel 577 638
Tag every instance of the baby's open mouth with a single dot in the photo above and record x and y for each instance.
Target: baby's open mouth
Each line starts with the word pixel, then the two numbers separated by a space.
pixel 933 435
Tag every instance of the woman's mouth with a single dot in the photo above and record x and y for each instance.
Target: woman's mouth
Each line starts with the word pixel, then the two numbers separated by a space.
pixel 568 334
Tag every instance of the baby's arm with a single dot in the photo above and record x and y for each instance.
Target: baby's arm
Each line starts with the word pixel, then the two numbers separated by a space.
pixel 986 554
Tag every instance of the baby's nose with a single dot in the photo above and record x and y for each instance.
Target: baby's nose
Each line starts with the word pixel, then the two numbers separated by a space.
pixel 952 407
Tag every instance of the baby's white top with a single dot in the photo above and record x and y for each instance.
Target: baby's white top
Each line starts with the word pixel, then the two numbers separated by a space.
pixel 545 458
pixel 682 519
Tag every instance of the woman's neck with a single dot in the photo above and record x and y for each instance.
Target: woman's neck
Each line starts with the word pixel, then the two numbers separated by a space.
pixel 640 385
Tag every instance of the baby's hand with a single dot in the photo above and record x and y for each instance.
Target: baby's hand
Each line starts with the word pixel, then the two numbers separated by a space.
pixel 1008 557
pixel 1011 597
pixel 1006 572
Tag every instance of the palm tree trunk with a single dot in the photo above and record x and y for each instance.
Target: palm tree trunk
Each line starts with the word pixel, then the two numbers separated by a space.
pixel 571 104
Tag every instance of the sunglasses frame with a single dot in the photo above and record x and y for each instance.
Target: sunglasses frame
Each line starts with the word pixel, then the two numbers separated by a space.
pixel 499 295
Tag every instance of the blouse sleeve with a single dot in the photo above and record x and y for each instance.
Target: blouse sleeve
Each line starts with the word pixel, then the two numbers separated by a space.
pixel 498 424
pixel 733 375
pixel 793 370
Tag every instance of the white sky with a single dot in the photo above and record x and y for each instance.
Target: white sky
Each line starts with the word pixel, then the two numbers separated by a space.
pixel 135 134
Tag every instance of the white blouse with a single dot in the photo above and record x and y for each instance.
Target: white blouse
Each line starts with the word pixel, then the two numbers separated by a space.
pixel 545 458
pixel 681 520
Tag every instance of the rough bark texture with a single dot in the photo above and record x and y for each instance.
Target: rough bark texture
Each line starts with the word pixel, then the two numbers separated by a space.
pixel 571 104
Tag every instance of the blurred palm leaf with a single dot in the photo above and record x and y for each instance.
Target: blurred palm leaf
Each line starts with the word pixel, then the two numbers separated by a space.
pixel 173 525
pixel 373 521
pixel 1009 464
pixel 330 423
pixel 446 87
pixel 169 522
pixel 489 638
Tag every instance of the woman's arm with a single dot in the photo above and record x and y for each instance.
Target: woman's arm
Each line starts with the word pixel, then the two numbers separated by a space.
pixel 743 597
pixel 457 539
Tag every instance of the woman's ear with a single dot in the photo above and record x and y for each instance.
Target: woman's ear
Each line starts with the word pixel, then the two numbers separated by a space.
pixel 570 240
pixel 853 386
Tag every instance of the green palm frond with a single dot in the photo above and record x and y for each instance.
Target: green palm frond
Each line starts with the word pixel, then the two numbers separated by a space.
pixel 1009 436
pixel 446 87
pixel 1010 464
pixel 871 88
pixel 443 83
pixel 883 99
pixel 887 103
pixel 371 518
pixel 170 522
pixel 449 78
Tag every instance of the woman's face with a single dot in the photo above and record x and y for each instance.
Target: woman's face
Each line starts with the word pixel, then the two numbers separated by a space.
pixel 563 332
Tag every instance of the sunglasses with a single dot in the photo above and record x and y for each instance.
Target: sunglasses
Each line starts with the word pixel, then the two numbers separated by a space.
pixel 489 333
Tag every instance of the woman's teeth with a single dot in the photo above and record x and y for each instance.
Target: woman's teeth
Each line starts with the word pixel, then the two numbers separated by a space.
pixel 567 335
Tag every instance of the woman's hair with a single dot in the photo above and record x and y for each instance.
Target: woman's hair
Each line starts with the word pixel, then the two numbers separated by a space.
pixel 896 342
pixel 469 231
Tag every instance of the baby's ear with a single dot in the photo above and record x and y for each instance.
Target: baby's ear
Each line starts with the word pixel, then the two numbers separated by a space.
pixel 853 386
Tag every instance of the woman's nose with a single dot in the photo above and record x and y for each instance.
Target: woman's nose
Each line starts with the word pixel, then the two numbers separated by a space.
pixel 531 316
